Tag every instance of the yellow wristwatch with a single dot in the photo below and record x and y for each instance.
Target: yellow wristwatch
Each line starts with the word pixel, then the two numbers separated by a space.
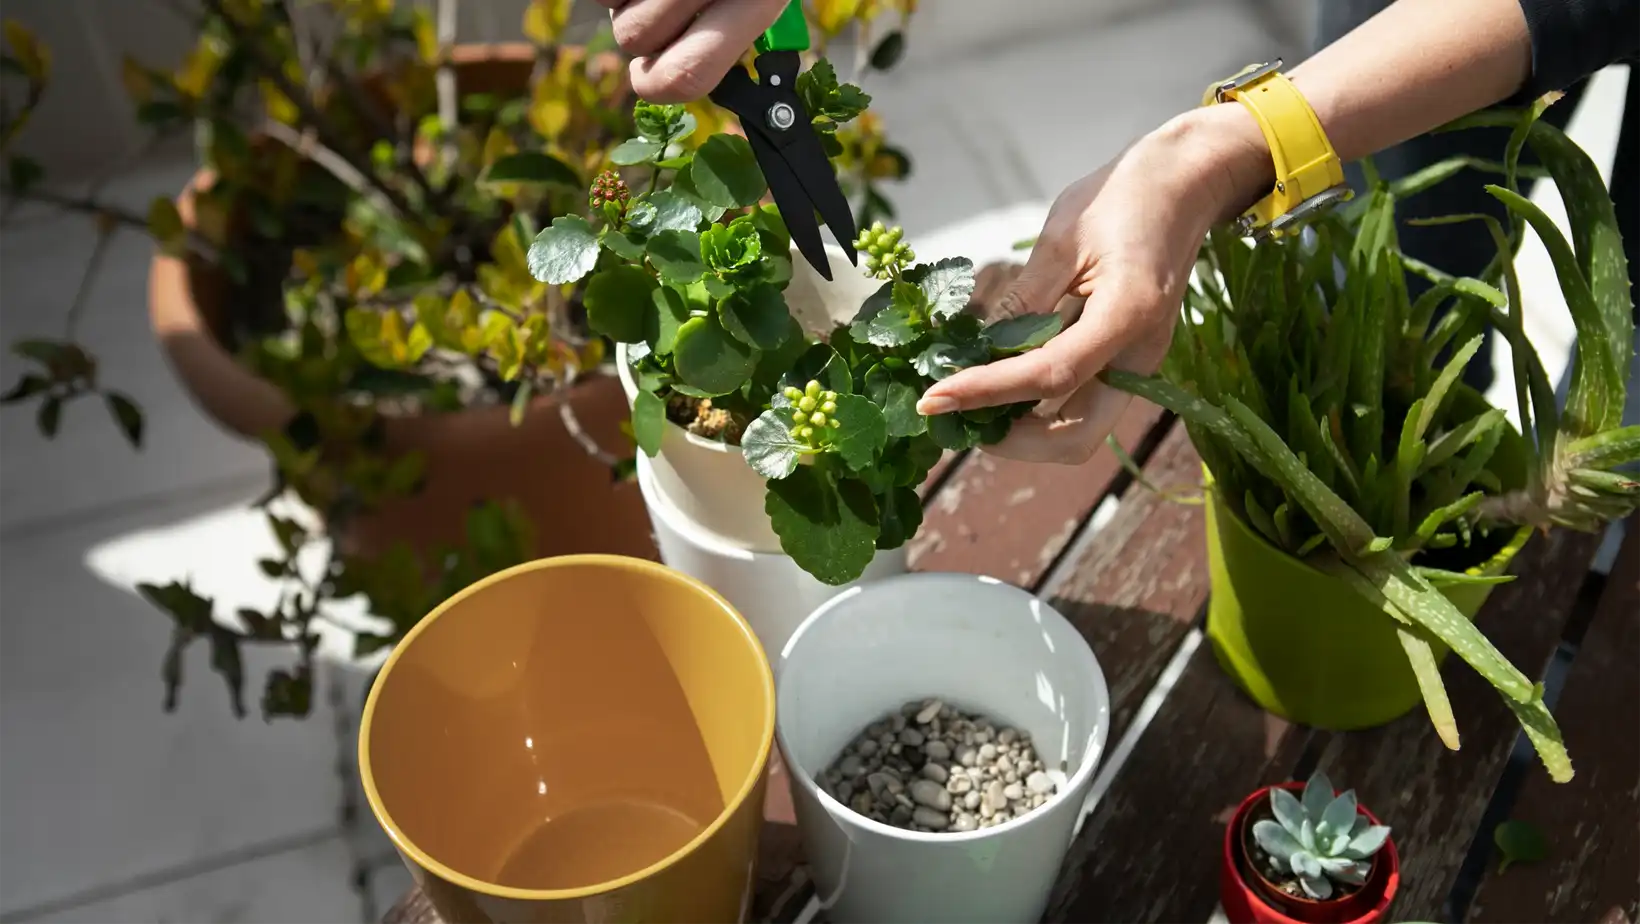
pixel 1309 176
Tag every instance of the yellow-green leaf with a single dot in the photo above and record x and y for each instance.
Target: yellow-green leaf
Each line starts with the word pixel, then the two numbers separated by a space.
pixel 544 20
pixel 33 57
pixel 165 224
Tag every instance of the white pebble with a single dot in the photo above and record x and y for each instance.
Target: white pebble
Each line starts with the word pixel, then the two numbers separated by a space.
pixel 1013 791
pixel 1039 782
pixel 929 711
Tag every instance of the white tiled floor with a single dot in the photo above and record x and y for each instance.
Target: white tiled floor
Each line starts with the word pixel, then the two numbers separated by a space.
pixel 111 810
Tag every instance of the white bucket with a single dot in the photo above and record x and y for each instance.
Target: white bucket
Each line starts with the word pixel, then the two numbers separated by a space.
pixel 708 480
pixel 768 588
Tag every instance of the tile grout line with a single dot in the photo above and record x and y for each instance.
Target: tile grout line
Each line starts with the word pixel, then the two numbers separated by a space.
pixel 225 860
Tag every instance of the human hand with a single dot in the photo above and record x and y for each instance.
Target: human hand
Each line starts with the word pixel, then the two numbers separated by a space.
pixel 1114 257
pixel 681 48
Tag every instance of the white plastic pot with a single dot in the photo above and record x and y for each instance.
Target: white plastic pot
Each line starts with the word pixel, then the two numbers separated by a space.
pixel 767 588
pixel 709 480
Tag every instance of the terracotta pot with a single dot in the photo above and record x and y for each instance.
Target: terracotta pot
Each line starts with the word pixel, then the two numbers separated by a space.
pixel 471 455
pixel 1250 899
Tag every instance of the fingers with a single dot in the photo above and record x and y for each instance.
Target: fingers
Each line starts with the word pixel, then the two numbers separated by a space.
pixel 1074 436
pixel 1060 367
pixel 690 66
pixel 644 27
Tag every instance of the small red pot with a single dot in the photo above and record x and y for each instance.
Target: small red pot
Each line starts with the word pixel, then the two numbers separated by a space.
pixel 1244 902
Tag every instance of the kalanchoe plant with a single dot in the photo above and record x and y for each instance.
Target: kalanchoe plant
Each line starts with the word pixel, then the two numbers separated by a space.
pixel 691 274
pixel 1321 841
pixel 1329 410
pixel 370 224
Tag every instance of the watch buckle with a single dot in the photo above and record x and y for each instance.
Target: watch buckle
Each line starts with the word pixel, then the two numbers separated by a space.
pixel 1246 77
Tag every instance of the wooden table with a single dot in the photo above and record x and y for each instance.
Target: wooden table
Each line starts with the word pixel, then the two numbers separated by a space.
pixel 1129 569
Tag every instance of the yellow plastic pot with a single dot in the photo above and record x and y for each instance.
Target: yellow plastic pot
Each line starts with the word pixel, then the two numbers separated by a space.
pixel 576 739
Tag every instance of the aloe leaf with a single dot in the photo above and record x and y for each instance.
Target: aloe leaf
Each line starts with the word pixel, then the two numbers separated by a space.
pixel 1409 454
pixel 1425 667
pixel 1344 527
pixel 1420 654
pixel 1612 483
pixel 1610 449
pixel 1439 578
pixel 1260 519
pixel 1423 310
pixel 1443 515
pixel 1436 399
pixel 1414 183
pixel 1448 444
pixel 1544 734
pixel 1426 606
pixel 1596 399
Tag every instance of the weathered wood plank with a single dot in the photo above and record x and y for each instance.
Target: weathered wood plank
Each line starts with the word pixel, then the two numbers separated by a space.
pixel 1592 824
pixel 1011 520
pixel 1137 586
pixel 1432 797
pixel 1150 850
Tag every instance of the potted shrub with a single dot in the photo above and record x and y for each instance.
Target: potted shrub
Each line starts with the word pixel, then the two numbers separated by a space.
pixel 692 278
pixel 1363 501
pixel 347 281
pixel 1306 853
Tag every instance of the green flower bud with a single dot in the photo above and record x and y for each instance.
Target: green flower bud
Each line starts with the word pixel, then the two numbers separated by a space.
pixel 805 404
pixel 799 417
pixel 805 433
pixel 817 419
pixel 830 407
pixel 826 395
pixel 793 394
pixel 834 423
pixel 813 389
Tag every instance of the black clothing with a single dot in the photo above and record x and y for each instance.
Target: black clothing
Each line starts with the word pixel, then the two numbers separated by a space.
pixel 1571 39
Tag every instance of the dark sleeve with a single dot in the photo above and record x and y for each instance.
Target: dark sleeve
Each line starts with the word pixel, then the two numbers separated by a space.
pixel 1572 39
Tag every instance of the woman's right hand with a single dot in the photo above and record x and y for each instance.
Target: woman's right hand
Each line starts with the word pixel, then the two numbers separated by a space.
pixel 681 48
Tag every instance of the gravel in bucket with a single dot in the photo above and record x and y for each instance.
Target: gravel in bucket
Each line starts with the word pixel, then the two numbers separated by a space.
pixel 931 767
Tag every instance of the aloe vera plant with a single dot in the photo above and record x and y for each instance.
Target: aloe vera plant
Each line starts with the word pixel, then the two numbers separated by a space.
pixel 1315 391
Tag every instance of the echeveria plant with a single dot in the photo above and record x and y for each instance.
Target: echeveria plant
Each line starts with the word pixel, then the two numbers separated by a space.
pixel 1320 840
pixel 691 274
pixel 1328 404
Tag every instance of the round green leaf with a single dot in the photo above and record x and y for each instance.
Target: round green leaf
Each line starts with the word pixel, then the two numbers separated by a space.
pixel 756 317
pixel 901 513
pixel 725 172
pixel 648 422
pixel 673 212
pixel 897 395
pixel 949 432
pixel 618 302
pixel 861 434
pixel 623 245
pixel 532 167
pixel 818 363
pixel 829 531
pixel 769 446
pixel 671 310
pixel 564 252
pixel 710 360
pixel 676 254
pixel 1026 332
pixel 635 151
pixel 948 285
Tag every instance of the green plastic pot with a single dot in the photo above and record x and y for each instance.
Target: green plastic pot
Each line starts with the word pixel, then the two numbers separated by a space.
pixel 1304 644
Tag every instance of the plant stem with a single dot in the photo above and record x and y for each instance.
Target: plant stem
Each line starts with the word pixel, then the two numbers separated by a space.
pixel 105 235
pixel 85 205
pixel 304 104
pixel 309 146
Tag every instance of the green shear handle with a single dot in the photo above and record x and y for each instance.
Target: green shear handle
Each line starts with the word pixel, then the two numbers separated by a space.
pixel 789 33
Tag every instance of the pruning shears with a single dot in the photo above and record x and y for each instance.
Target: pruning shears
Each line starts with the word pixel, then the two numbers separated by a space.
pixel 780 130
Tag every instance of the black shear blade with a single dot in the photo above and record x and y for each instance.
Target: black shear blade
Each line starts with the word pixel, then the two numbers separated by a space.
pixel 793 162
